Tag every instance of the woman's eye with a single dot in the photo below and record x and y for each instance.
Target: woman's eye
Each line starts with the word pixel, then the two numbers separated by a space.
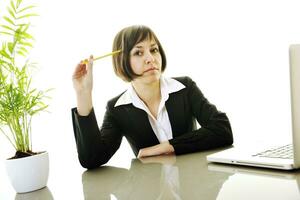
pixel 154 50
pixel 138 53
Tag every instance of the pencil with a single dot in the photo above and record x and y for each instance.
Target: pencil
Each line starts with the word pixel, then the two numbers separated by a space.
pixel 103 56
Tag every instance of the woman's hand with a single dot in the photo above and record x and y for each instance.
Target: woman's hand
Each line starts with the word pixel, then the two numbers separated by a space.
pixel 83 85
pixel 162 148
pixel 83 76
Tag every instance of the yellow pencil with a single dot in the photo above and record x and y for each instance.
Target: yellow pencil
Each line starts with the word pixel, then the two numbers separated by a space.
pixel 103 56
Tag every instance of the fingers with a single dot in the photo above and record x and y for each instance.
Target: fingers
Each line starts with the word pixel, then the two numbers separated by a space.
pixel 90 65
pixel 91 57
pixel 80 70
pixel 144 153
pixel 85 67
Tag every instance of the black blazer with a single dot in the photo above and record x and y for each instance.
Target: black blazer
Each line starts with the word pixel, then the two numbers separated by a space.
pixel 96 146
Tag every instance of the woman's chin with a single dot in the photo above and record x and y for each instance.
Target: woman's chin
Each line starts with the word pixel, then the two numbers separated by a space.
pixel 151 78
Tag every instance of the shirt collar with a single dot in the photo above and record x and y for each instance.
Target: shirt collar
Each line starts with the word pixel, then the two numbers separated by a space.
pixel 167 86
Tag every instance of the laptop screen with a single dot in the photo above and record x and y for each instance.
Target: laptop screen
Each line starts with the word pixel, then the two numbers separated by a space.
pixel 295 99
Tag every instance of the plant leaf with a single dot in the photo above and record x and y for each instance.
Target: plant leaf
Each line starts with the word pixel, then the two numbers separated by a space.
pixel 18 3
pixel 6 33
pixel 26 8
pixel 26 44
pixel 27 15
pixel 10 46
pixel 23 49
pixel 13 6
pixel 26 35
pixel 5 54
pixel 9 20
pixel 8 28
pixel 11 13
pixel 21 53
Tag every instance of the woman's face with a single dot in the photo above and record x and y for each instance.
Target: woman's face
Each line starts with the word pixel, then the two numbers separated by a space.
pixel 145 60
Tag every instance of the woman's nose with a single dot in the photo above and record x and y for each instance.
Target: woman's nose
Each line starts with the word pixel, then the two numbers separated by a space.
pixel 149 57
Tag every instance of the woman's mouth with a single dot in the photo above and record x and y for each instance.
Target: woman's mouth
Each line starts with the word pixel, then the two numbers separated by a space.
pixel 150 69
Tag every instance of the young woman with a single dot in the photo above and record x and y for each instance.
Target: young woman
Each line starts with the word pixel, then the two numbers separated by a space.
pixel 156 114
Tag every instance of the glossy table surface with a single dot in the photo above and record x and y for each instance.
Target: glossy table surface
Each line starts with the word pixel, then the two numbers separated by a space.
pixel 164 177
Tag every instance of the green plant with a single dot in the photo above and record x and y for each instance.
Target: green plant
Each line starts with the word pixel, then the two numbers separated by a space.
pixel 18 100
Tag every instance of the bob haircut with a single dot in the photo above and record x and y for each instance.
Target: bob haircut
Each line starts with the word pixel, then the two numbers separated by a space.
pixel 125 40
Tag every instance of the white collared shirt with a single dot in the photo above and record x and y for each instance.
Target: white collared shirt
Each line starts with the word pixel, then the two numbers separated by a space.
pixel 161 126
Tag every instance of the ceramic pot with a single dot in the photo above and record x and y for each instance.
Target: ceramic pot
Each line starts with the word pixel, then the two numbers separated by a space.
pixel 29 173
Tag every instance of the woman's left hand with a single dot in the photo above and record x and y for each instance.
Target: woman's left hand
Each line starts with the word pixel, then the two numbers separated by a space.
pixel 162 148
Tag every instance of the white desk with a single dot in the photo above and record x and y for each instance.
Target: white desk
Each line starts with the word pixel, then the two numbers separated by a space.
pixel 182 177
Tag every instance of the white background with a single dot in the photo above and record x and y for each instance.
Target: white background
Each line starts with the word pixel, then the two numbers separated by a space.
pixel 236 51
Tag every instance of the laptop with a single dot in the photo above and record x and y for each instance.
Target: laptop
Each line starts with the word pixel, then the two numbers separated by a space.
pixel 285 157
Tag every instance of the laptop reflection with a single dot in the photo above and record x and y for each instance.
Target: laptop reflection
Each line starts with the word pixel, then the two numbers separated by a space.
pixel 251 183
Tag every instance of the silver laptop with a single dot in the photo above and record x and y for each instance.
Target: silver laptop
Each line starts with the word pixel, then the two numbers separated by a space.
pixel 285 157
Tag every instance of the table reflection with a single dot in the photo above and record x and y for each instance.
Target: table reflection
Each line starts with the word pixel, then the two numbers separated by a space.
pixel 160 177
pixel 43 193
pixel 258 183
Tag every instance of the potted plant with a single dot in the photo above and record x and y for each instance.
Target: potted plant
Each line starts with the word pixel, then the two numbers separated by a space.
pixel 19 102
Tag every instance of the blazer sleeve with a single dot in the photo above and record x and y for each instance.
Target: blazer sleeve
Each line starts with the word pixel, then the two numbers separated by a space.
pixel 215 128
pixel 95 146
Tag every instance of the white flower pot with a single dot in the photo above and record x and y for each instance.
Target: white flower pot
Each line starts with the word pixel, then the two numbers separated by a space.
pixel 29 173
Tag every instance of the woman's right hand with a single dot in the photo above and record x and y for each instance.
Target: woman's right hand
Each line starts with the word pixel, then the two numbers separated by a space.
pixel 83 76
pixel 83 85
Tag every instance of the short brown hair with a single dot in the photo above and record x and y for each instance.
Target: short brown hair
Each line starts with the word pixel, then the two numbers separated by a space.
pixel 125 40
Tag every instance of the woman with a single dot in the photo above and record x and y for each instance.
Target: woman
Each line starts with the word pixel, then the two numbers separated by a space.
pixel 156 114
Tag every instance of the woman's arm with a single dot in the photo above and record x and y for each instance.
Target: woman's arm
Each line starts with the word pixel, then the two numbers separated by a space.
pixel 215 128
pixel 83 84
pixel 95 146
